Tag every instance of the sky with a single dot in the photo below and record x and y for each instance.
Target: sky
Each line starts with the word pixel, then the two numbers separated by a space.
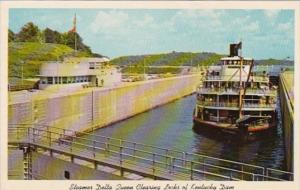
pixel 119 32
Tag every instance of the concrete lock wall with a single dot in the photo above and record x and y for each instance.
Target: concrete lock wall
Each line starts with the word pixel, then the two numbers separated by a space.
pixel 58 168
pixel 98 107
pixel 287 122
pixel 15 163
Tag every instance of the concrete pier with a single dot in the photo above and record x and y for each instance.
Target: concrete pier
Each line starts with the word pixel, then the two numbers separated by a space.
pixel 286 89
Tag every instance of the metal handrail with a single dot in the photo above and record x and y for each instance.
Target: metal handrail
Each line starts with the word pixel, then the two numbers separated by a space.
pixel 272 92
pixel 227 104
pixel 53 137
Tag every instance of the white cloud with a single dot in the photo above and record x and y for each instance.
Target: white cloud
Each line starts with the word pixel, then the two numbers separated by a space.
pixel 109 21
pixel 146 21
pixel 285 26
pixel 252 27
pixel 121 24
pixel 197 18
pixel 272 13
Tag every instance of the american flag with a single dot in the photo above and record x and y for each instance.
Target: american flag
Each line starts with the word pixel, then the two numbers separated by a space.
pixel 74 25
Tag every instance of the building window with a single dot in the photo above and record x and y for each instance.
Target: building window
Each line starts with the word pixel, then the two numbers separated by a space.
pixel 43 81
pixel 92 65
pixel 64 80
pixel 49 80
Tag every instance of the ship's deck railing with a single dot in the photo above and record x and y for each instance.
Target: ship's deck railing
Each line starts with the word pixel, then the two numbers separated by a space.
pixel 272 92
pixel 233 104
pixel 256 78
pixel 126 155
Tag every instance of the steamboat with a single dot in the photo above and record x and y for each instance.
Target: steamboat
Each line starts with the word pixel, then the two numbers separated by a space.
pixel 235 99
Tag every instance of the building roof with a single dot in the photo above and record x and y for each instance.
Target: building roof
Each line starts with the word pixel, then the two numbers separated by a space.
pixel 64 69
pixel 86 59
pixel 235 58
pixel 73 66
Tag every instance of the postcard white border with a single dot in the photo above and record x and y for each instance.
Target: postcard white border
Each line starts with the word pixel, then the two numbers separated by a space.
pixel 64 184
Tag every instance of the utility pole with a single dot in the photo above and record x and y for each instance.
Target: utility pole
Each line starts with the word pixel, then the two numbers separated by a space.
pixel 144 68
pixel 22 65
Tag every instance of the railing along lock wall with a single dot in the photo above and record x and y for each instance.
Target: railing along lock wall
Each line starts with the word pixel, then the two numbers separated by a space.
pixel 133 157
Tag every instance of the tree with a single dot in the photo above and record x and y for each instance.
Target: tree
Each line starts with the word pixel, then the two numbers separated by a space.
pixel 69 40
pixel 29 33
pixel 11 36
pixel 52 36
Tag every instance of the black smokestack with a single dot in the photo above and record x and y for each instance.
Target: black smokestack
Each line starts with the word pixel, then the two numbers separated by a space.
pixel 234 49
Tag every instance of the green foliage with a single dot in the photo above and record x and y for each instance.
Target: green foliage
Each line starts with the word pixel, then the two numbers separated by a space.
pixel 270 62
pixel 29 33
pixel 52 36
pixel 29 48
pixel 11 36
pixel 31 55
pixel 135 64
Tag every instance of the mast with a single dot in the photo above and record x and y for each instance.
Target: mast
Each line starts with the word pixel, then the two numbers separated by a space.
pixel 241 90
pixel 245 88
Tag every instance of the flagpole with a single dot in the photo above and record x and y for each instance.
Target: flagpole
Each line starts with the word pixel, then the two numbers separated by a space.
pixel 75 41
pixel 75 33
